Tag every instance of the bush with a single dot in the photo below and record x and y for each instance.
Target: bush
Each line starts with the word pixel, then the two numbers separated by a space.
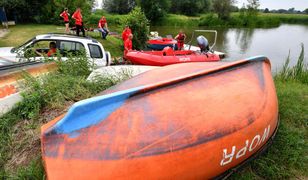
pixel 139 25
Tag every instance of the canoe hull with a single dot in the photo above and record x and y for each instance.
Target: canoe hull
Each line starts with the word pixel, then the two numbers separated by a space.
pixel 158 58
pixel 194 124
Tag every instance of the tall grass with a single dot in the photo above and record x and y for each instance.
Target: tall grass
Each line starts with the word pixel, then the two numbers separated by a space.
pixel 47 95
pixel 243 19
pixel 298 72
pixel 287 157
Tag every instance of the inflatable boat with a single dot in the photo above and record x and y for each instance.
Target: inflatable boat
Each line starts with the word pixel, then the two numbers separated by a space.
pixel 161 43
pixel 184 121
pixel 169 56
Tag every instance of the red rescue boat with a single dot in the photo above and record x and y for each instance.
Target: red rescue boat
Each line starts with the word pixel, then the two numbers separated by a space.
pixel 169 56
pixel 161 43
pixel 184 121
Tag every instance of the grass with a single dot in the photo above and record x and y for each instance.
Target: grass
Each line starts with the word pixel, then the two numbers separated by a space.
pixel 287 157
pixel 44 98
pixel 19 34
pixel 245 20
pixel 179 20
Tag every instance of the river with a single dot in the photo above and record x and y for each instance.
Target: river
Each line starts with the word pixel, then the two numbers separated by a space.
pixel 240 43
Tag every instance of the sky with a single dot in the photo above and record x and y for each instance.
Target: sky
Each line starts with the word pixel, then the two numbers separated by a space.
pixel 271 4
pixel 279 4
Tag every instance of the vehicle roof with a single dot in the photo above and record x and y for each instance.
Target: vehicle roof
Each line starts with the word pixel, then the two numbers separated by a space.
pixel 66 37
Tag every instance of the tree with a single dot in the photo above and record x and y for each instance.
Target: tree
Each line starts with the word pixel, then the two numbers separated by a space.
pixel 155 9
pixel 188 7
pixel 139 25
pixel 252 7
pixel 305 11
pixel 223 8
pixel 119 6
pixel 266 10
pixel 43 11
pixel 291 10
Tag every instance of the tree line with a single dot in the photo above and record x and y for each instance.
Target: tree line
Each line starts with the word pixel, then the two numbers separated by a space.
pixel 47 11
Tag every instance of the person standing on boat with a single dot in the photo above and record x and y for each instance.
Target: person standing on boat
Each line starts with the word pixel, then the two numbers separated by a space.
pixel 126 32
pixel 103 27
pixel 65 16
pixel 78 21
pixel 128 44
pixel 180 39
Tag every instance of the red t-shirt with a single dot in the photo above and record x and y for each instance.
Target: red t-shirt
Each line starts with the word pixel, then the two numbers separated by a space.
pixel 102 22
pixel 78 18
pixel 51 52
pixel 128 45
pixel 126 33
pixel 65 16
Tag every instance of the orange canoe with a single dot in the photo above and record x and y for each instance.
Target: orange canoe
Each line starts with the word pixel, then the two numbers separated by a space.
pixel 185 121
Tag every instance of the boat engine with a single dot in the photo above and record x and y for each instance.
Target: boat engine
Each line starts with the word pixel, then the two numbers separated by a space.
pixel 203 44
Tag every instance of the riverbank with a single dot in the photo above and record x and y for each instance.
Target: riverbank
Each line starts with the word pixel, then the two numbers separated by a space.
pixel 211 20
pixel 266 20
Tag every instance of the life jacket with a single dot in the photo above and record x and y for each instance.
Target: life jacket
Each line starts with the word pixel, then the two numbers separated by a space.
pixel 181 38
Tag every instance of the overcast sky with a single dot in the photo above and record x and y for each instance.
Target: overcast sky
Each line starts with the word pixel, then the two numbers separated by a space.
pixel 271 4
pixel 280 4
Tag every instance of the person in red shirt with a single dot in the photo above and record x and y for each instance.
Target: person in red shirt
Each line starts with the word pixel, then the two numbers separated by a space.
pixel 52 50
pixel 103 27
pixel 128 44
pixel 78 21
pixel 126 32
pixel 65 15
pixel 180 38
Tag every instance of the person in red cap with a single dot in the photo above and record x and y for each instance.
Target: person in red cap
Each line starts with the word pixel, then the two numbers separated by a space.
pixel 180 38
pixel 78 21
pixel 126 32
pixel 128 44
pixel 103 27
pixel 65 15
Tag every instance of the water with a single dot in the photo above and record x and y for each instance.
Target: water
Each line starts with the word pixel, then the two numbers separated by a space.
pixel 241 43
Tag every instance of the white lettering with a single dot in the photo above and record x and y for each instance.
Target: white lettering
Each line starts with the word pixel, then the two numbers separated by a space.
pixel 265 134
pixel 227 158
pixel 242 151
pixel 256 141
pixel 253 141
pixel 184 59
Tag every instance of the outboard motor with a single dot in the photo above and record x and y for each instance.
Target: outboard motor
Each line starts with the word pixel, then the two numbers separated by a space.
pixel 203 44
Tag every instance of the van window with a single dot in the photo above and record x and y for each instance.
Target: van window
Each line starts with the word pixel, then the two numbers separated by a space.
pixel 95 51
pixel 70 47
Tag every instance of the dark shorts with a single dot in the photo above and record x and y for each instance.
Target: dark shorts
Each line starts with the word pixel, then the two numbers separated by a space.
pixel 65 22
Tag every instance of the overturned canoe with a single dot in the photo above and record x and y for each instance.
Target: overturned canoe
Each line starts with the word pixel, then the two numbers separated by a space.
pixel 169 56
pixel 188 121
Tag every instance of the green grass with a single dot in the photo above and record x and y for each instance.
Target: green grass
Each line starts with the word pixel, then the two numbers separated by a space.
pixel 19 34
pixel 244 20
pixel 287 157
pixel 44 98
pixel 179 20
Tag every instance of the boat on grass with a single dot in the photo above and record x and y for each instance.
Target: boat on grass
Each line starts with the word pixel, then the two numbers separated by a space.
pixel 183 121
